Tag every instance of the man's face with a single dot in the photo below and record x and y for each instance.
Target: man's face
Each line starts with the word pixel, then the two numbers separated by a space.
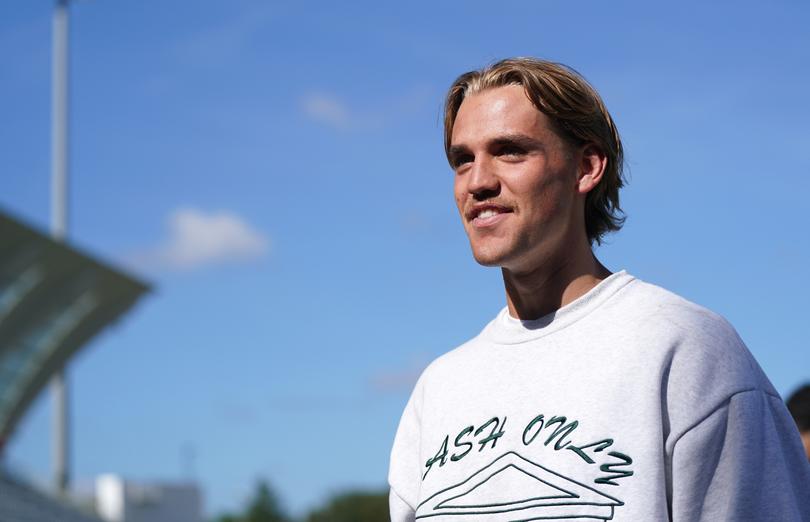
pixel 515 181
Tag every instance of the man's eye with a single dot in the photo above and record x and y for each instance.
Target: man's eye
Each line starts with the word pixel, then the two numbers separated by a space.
pixel 511 151
pixel 461 159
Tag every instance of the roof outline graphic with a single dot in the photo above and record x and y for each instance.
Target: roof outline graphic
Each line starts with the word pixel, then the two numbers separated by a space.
pixel 576 499
pixel 565 493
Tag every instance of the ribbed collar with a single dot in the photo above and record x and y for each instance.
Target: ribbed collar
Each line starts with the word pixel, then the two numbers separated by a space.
pixel 505 329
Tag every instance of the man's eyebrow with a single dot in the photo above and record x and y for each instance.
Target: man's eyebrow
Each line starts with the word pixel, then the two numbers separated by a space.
pixel 457 149
pixel 521 140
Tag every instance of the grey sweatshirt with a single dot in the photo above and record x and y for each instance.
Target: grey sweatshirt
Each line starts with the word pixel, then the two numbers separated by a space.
pixel 628 404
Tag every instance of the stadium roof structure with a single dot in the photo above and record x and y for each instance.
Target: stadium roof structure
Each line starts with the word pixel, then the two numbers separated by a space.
pixel 53 300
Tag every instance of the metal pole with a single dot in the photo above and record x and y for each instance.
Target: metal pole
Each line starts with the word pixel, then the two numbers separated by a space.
pixel 59 129
pixel 59 224
pixel 61 435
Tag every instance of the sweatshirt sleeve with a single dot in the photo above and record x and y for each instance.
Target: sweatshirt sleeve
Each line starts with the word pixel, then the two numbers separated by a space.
pixel 742 462
pixel 404 470
pixel 400 511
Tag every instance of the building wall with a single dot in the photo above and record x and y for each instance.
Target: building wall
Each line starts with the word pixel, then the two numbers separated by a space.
pixel 20 502
pixel 118 500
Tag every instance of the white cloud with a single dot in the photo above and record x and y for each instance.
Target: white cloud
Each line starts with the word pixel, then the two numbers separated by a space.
pixel 196 238
pixel 327 109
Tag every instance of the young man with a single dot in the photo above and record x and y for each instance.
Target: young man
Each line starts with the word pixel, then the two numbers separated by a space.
pixel 592 395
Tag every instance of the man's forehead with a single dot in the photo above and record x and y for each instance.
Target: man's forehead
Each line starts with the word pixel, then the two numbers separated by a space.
pixel 498 111
pixel 507 98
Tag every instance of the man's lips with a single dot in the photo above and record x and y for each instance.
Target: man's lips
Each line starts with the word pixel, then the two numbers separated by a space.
pixel 487 215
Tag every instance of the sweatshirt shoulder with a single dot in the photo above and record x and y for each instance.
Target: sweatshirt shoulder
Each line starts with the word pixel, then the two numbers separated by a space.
pixel 449 363
pixel 653 301
pixel 672 315
pixel 708 361
pixel 447 367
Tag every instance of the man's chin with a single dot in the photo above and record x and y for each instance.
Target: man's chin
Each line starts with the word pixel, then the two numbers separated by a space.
pixel 490 259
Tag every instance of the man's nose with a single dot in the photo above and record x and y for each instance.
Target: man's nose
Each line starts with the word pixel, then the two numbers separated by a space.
pixel 483 180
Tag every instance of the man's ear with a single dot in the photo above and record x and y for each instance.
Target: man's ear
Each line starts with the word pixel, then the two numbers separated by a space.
pixel 591 168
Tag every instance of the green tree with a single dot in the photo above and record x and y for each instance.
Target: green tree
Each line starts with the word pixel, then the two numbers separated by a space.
pixel 264 506
pixel 353 507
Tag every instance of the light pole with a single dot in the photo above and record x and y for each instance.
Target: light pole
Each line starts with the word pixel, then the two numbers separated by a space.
pixel 59 224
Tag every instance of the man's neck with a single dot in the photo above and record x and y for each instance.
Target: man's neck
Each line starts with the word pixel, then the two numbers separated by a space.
pixel 531 295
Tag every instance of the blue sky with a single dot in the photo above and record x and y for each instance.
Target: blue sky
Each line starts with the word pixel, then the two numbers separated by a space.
pixel 276 171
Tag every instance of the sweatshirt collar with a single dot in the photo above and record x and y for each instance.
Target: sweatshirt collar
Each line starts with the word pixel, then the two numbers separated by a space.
pixel 505 329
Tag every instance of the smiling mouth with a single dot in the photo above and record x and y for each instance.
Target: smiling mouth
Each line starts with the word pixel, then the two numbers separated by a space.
pixel 487 215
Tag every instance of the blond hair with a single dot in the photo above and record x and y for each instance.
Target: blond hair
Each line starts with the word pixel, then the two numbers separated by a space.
pixel 576 111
